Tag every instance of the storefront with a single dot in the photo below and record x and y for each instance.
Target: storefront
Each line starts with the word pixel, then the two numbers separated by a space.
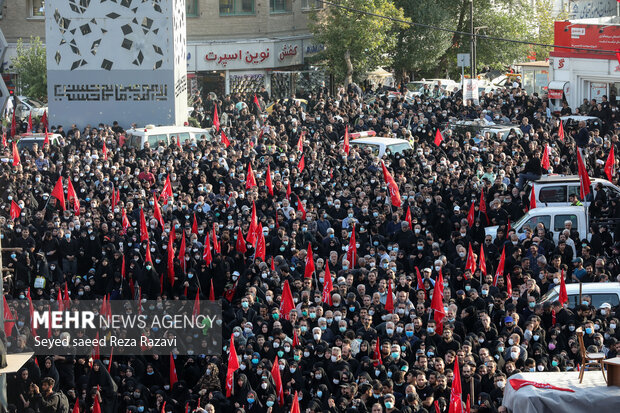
pixel 577 74
pixel 535 77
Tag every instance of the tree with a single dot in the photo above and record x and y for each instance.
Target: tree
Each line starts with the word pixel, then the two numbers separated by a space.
pixel 355 43
pixel 31 67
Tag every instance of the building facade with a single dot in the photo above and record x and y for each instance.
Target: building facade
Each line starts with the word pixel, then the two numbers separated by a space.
pixel 232 45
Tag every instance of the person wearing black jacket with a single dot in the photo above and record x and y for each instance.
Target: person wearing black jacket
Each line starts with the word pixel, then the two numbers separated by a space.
pixel 532 171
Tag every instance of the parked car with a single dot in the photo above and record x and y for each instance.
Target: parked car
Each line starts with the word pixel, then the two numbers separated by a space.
pixel 137 137
pixel 27 141
pixel 554 190
pixel 497 130
pixel 598 292
pixel 26 106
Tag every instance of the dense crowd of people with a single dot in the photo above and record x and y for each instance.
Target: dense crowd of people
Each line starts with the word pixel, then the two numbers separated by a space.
pixel 326 347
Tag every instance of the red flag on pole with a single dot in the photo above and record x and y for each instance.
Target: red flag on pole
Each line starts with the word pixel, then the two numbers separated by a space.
pixel 96 405
pixel 268 182
pixel 233 365
pixel 500 266
pixel 58 193
pixel 420 285
pixel 29 128
pixel 216 244
pixel 173 372
pixel 483 203
pixel 295 407
pixel 225 139
pixel 277 381
pixel 240 245
pixel 610 169
pixel 408 217
pixel 456 403
pixel 389 300
pixel 195 225
pixel 16 159
pixel 212 292
pixel 437 303
pixel 563 298
pixel 8 315
pixel 295 339
pixel 508 284
pixel 250 179
pixel 302 164
pixel 4 143
pixel 216 119
pixel 328 286
pixel 144 232
pixel 166 192
pixel 533 198
pixel 438 137
pixel 206 254
pixel 545 158
pixel 288 190
pixel 309 269
pixel 470 215
pixel 584 179
pixel 261 245
pixel 257 103
pixel 377 353
pixel 561 131
pixel 352 249
pixel 46 139
pixel 467 405
pixel 72 198
pixel 300 143
pixel 482 261
pixel 471 260
pixel 76 406
pixel 252 233
pixel 44 121
pixel 15 210
pixel 392 187
pixel 301 209
pixel 147 257
pixel 182 253
pixel 287 304
pixel 124 220
pixel 157 212
pixel 346 146
pixel 105 151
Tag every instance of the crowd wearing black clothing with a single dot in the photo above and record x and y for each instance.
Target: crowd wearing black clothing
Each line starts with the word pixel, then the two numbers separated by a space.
pixel 332 364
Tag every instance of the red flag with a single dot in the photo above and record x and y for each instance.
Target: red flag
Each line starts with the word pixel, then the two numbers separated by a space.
pixel 533 198
pixel 545 159
pixel 610 169
pixel 389 300
pixel 301 209
pixel 261 245
pixel 309 263
pixel 273 264
pixel 105 151
pixel 408 217
pixel 206 254
pixel 470 215
pixel 277 381
pixel 148 257
pixel 157 212
pixel 250 179
pixel 482 261
pixel 124 220
pixel 195 225
pixel 252 231
pixel 46 140
pixel 295 406
pixel 508 284
pixel 4 143
pixel 16 159
pixel 58 193
pixel 584 179
pixel 240 246
pixel 144 232
pixel 563 298
pixel 288 190
pixel 8 315
pixel 72 198
pixel 328 286
pixel 500 267
pixel 302 164
pixel 377 353
pixel 438 138
pixel 437 410
pixel 166 192
pixel 173 372
pixel 287 304
pixel 471 261
pixel 467 407
pixel 76 406
pixel 456 404
pixel 233 365
pixel 300 143
pixel 268 182
pixel 96 405
pixel 392 187
pixel 437 303
pixel 561 131
pixel 123 268
pixel 13 125
pixel 15 210
pixel 216 244
pixel 225 139
pixel 257 103
pixel 346 146
pixel 66 298
pixel 212 292
pixel 182 253
pixel 518 383
pixel 483 203
pixel 295 339
pixel 216 119
pixel 96 355
pixel 29 128
pixel 420 281
pixel 44 121
pixel 179 143
pixel 352 249
pixel 60 301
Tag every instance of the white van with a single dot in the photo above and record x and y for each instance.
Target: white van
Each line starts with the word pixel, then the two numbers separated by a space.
pixel 553 219
pixel 137 137
pixel 554 190
pixel 598 292
pixel 378 144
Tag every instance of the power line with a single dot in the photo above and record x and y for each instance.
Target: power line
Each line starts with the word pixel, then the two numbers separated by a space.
pixel 478 36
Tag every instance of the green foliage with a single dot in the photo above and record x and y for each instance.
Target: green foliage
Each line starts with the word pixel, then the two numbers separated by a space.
pixel 31 67
pixel 364 41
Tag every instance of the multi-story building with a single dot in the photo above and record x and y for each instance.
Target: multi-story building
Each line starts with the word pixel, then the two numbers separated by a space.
pixel 233 45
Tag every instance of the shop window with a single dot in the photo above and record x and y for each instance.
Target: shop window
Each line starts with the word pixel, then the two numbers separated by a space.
pixel 311 4
pixel 36 8
pixel 280 6
pixel 191 8
pixel 236 7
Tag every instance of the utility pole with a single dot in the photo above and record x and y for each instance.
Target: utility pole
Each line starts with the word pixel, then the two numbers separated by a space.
pixel 473 40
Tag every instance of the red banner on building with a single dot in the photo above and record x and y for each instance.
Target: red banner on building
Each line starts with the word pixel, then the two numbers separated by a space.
pixel 591 39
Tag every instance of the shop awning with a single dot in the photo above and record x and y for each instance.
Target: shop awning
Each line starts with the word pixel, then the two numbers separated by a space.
pixel 556 89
